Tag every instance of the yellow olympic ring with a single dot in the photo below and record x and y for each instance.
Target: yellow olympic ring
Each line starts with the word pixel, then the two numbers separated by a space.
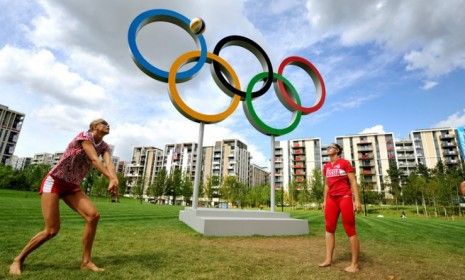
pixel 182 107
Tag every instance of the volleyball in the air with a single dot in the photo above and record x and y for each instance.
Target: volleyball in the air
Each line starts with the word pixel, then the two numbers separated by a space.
pixel 197 26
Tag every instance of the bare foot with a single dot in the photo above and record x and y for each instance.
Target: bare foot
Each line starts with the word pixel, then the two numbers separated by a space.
pixel 352 268
pixel 15 268
pixel 325 264
pixel 91 266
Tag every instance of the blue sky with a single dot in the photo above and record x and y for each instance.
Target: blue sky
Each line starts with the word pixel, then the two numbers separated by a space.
pixel 391 66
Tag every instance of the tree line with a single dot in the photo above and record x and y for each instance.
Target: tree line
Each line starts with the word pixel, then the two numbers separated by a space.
pixel 432 191
pixel 30 178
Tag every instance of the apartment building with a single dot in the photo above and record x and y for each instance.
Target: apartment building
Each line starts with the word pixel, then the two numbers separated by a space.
pixel 460 132
pixel 121 167
pixel 207 166
pixel 42 158
pixel 181 156
pixel 433 145
pixel 141 167
pixel 19 163
pixel 295 160
pixel 56 158
pixel 258 176
pixel 369 154
pixel 231 158
pixel 405 155
pixel 10 128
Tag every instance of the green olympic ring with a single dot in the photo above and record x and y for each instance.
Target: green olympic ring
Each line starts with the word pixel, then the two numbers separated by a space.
pixel 252 115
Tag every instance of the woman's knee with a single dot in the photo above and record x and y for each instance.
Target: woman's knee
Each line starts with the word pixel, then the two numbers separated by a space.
pixel 51 232
pixel 349 227
pixel 93 217
pixel 330 227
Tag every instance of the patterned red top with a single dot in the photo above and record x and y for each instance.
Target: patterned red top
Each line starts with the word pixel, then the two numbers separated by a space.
pixel 74 164
pixel 336 177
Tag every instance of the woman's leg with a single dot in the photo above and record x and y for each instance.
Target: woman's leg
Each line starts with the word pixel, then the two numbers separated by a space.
pixel 51 213
pixel 348 220
pixel 331 216
pixel 83 205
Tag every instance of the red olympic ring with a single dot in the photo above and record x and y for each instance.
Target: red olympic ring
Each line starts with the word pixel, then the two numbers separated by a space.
pixel 311 70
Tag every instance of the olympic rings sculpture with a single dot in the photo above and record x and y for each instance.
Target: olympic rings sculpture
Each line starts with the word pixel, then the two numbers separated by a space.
pixel 225 76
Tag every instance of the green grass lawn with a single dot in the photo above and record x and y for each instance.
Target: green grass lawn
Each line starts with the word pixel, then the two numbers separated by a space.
pixel 145 241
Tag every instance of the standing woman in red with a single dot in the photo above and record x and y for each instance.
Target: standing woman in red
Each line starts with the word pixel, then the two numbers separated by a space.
pixel 62 182
pixel 341 195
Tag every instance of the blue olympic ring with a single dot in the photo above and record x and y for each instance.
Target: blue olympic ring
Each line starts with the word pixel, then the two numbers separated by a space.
pixel 167 16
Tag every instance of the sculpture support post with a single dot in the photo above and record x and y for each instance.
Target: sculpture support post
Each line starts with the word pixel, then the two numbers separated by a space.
pixel 272 203
pixel 198 166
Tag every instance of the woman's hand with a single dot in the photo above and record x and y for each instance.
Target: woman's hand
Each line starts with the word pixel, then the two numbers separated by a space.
pixel 113 186
pixel 357 206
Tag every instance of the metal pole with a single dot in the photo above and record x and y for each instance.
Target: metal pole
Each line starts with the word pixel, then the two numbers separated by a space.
pixel 198 166
pixel 272 203
pixel 282 198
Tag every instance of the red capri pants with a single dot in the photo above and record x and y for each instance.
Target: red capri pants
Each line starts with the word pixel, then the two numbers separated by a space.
pixel 334 206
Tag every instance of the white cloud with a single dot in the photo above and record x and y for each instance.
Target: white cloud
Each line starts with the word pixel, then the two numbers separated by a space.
pixel 375 129
pixel 455 120
pixel 64 117
pixel 430 36
pixel 41 72
pixel 429 85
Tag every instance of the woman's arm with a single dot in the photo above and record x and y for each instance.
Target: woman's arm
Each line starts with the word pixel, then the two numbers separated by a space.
pixel 355 192
pixel 108 169
pixel 325 192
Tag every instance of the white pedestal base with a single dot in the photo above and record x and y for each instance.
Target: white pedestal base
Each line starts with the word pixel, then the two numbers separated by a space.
pixel 223 222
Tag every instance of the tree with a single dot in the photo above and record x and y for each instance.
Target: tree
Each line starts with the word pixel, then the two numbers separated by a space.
pixel 186 188
pixel 317 185
pixel 34 175
pixel 138 189
pixel 122 183
pixel 89 181
pixel 303 195
pixel 232 190
pixel 293 193
pixel 100 186
pixel 394 175
pixel 412 190
pixel 158 186
pixel 211 187
pixel 7 175
pixel 174 184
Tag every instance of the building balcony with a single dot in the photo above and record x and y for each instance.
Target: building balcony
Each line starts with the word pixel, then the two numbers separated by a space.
pixel 451 161
pixel 299 165
pixel 368 172
pixel 448 144
pixel 298 172
pixel 365 156
pixel 446 136
pixel 297 152
pixel 299 159
pixel 365 148
pixel 367 163
pixel 299 179
pixel 450 153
